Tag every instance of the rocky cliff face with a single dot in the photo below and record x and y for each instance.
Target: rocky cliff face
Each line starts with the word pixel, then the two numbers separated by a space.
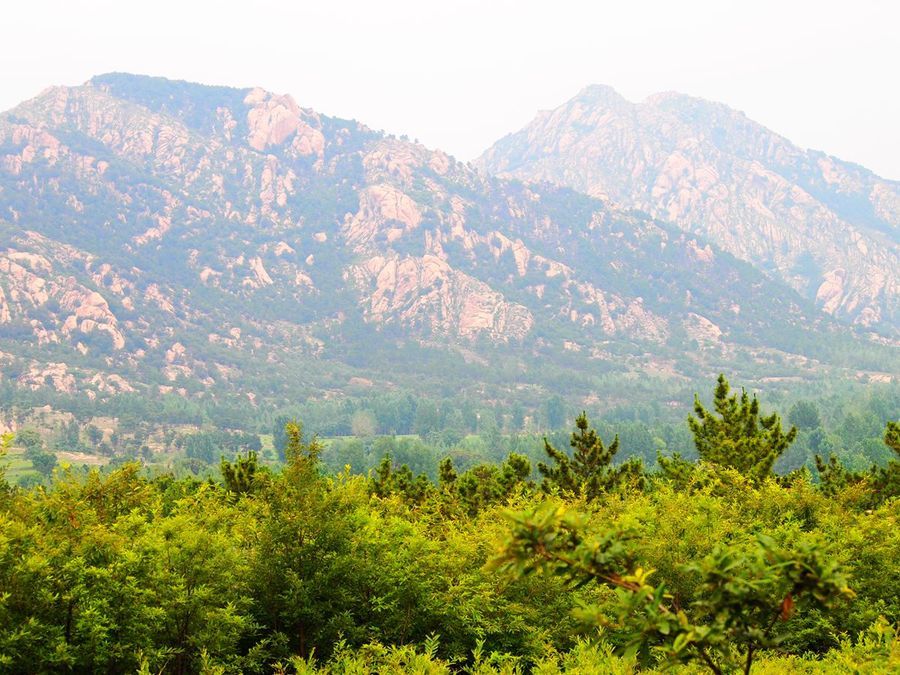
pixel 164 236
pixel 829 228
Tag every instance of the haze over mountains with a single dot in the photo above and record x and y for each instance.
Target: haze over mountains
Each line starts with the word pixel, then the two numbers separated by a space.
pixel 174 238
pixel 829 228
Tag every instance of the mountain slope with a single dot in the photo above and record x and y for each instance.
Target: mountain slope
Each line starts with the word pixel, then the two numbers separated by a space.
pixel 165 237
pixel 829 228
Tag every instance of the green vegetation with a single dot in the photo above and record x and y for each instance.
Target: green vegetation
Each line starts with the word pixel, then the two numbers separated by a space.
pixel 588 472
pixel 185 437
pixel 739 437
pixel 719 566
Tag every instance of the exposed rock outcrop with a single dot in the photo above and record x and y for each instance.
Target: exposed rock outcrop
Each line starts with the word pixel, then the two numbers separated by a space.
pixel 427 292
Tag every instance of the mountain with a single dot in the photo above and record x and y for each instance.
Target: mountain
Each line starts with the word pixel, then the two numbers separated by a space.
pixel 210 243
pixel 829 228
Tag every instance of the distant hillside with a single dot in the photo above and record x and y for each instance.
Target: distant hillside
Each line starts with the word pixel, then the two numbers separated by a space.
pixel 162 237
pixel 828 228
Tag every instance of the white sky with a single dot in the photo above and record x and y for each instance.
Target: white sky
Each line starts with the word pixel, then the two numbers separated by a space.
pixel 459 74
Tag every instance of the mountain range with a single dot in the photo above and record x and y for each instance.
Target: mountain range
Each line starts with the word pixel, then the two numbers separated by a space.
pixel 159 237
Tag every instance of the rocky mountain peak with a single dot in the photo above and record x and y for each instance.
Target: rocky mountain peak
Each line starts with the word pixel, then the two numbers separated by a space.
pixel 829 228
pixel 601 94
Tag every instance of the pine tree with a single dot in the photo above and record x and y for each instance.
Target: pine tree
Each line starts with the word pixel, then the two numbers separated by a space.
pixel 676 469
pixel 883 482
pixel 516 469
pixel 446 474
pixel 588 472
pixel 240 477
pixel 892 437
pixel 834 476
pixel 388 480
pixel 735 435
pixel 380 483
pixel 887 479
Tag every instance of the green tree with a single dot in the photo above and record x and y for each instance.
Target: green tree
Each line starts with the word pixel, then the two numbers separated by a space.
pixel 363 423
pixel 735 435
pixel 427 418
pixel 306 583
pixel 29 439
pixel 834 476
pixel 69 436
pixel 589 471
pixel 446 474
pixel 555 410
pixel 883 482
pixel 42 461
pixel 279 435
pixel 301 456
pixel 892 437
pixel 486 484
pixel 388 480
pixel 517 417
pixel 887 479
pixel 241 476
pixel 5 442
pixel 746 593
pixel 95 435
pixel 805 416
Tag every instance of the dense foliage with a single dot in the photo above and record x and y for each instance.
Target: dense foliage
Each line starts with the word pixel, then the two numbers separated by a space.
pixel 493 568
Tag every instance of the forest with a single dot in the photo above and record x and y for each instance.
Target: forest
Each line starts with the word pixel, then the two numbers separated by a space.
pixel 569 555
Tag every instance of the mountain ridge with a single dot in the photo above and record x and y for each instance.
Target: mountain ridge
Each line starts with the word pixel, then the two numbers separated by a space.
pixel 207 241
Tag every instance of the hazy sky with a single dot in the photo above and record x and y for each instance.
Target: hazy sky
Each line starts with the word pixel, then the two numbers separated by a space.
pixel 459 74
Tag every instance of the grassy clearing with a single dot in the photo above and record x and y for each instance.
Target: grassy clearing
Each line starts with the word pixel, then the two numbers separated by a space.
pixel 17 467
